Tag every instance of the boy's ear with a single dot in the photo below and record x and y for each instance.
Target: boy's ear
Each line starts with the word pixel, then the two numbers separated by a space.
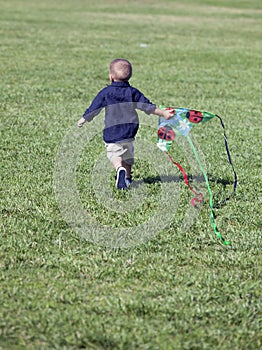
pixel 111 77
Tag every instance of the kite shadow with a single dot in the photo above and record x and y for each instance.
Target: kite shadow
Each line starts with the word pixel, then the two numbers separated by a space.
pixel 220 196
pixel 223 182
pixel 165 179
pixel 171 178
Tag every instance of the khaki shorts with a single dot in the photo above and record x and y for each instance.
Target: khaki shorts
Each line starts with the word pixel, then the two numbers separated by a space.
pixel 124 150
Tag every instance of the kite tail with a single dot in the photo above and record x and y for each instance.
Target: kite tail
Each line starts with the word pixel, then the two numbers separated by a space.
pixel 199 196
pixel 212 218
pixel 231 163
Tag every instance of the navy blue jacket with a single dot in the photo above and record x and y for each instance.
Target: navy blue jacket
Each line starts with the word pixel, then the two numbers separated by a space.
pixel 120 101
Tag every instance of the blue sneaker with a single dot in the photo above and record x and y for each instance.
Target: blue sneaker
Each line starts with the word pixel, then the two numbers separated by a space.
pixel 121 178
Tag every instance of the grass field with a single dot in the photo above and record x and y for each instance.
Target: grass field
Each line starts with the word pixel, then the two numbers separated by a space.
pixel 181 289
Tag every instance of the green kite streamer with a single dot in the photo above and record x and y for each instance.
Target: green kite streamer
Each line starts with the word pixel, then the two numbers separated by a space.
pixel 212 219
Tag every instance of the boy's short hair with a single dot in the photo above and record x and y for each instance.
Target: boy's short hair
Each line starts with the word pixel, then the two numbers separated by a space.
pixel 121 69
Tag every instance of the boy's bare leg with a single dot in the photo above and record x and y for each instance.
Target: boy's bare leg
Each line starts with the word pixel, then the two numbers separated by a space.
pixel 128 168
pixel 117 162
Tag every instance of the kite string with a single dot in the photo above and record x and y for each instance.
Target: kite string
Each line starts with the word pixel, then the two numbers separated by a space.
pixel 212 219
pixel 231 163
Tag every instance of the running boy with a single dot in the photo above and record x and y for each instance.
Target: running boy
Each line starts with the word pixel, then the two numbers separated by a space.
pixel 120 101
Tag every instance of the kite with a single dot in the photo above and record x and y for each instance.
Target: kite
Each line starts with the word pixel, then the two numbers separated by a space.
pixel 180 125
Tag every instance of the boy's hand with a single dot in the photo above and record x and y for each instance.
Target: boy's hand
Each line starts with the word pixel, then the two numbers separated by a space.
pixel 81 122
pixel 168 113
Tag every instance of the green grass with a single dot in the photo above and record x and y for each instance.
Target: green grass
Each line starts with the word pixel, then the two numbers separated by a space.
pixel 181 289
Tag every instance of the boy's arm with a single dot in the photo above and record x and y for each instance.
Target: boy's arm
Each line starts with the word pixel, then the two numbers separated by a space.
pixel 94 109
pixel 166 113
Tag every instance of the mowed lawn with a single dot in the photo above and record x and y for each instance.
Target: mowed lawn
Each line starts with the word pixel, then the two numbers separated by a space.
pixel 180 288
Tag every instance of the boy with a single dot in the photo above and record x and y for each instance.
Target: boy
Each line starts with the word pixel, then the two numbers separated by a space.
pixel 120 101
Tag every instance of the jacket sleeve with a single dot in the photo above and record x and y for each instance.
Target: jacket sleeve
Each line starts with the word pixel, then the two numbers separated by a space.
pixel 96 106
pixel 143 103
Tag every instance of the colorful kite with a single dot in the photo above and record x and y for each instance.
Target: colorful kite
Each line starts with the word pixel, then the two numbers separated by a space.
pixel 180 125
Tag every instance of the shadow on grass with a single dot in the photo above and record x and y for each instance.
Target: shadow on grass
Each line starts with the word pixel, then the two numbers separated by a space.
pixel 170 178
pixel 221 193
